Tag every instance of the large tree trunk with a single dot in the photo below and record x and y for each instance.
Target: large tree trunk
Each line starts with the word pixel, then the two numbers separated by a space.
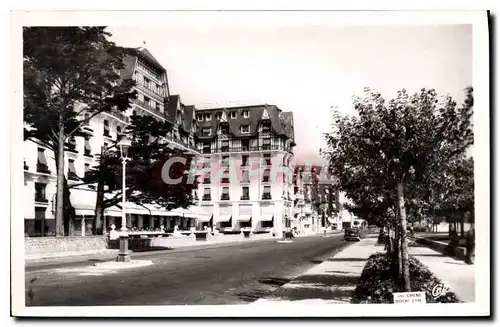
pixel 60 180
pixel 404 243
pixel 69 212
pixel 97 226
pixel 399 252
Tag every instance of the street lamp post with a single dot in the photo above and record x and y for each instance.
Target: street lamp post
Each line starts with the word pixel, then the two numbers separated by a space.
pixel 123 253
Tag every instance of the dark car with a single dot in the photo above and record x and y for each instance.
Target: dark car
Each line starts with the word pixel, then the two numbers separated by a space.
pixel 352 234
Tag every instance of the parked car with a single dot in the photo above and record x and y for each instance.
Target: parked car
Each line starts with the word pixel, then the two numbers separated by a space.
pixel 352 234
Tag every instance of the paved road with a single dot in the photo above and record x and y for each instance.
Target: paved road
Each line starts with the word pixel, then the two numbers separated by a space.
pixel 226 274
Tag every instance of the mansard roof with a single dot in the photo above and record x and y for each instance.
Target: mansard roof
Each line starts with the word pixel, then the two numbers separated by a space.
pixel 257 114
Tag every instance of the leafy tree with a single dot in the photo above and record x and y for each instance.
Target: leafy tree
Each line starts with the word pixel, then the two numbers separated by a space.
pixel 145 181
pixel 69 72
pixel 388 149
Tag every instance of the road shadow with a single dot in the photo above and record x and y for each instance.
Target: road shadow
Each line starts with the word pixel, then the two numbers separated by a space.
pixel 316 262
pixel 325 287
pixel 152 249
pixel 429 255
pixel 274 281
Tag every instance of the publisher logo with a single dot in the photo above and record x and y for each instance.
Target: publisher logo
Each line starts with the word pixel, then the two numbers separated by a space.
pixel 440 290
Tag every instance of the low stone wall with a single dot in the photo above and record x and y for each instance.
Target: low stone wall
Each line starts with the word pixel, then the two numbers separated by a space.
pixel 441 247
pixel 41 245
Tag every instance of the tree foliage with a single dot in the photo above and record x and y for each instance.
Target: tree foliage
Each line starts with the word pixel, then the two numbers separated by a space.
pixel 390 156
pixel 69 72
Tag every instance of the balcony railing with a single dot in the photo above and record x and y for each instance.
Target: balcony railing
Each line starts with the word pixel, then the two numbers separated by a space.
pixel 266 196
pixel 206 181
pixel 206 197
pixel 42 168
pixel 150 108
pixel 117 115
pixel 148 91
pixel 251 148
pixel 224 197
pixel 245 197
pixel 180 142
pixel 39 198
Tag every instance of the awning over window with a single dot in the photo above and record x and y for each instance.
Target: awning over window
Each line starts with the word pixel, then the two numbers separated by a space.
pixel 266 212
pixel 204 219
pixel 224 218
pixel 84 203
pixel 244 218
pixel 266 217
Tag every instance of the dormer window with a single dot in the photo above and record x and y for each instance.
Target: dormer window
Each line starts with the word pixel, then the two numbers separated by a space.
pixel 224 130
pixel 206 131
pixel 233 115
pixel 245 129
pixel 208 117
pixel 266 128
pixel 218 115
pixel 246 114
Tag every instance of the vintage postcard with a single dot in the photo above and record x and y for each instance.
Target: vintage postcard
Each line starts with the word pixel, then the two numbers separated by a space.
pixel 250 163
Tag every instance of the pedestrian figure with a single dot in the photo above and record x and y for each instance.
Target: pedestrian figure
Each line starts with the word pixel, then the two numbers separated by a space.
pixel 470 245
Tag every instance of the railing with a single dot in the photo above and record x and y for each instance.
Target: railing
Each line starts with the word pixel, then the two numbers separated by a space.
pixel 245 197
pixel 41 199
pixel 206 181
pixel 150 108
pixel 118 115
pixel 249 149
pixel 206 198
pixel 224 197
pixel 42 168
pixel 150 92
pixel 266 196
pixel 180 142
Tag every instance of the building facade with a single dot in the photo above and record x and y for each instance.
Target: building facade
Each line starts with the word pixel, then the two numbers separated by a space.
pixel 217 137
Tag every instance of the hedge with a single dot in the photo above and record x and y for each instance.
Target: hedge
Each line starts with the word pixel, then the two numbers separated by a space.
pixel 377 281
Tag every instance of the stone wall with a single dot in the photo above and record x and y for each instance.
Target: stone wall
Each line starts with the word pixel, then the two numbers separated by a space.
pixel 35 245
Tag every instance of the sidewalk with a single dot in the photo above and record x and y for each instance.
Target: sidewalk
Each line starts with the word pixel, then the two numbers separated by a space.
pixel 454 273
pixel 330 282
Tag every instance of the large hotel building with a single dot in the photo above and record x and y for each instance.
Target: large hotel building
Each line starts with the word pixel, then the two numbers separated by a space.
pixel 251 145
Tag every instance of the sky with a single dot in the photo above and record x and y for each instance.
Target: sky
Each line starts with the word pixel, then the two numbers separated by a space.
pixel 306 68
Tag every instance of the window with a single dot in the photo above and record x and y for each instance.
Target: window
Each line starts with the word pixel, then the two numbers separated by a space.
pixel 147 100
pixel 41 165
pixel 88 149
pixel 224 161
pixel 267 160
pixel 147 82
pixel 224 129
pixel 266 195
pixel 208 117
pixel 245 128
pixel 40 195
pixel 40 228
pixel 206 194
pixel 244 159
pixel 245 193
pixel 199 117
pixel 106 128
pixel 265 175
pixel 246 114
pixel 158 88
pixel 246 176
pixel 134 113
pixel 86 119
pixel 157 105
pixel 225 193
pixel 233 115
pixel 218 115
pixel 72 170
pixel 206 147
pixel 72 144
pixel 224 146
pixel 266 128
pixel 266 144
pixel 245 145
pixel 86 168
pixel 206 131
